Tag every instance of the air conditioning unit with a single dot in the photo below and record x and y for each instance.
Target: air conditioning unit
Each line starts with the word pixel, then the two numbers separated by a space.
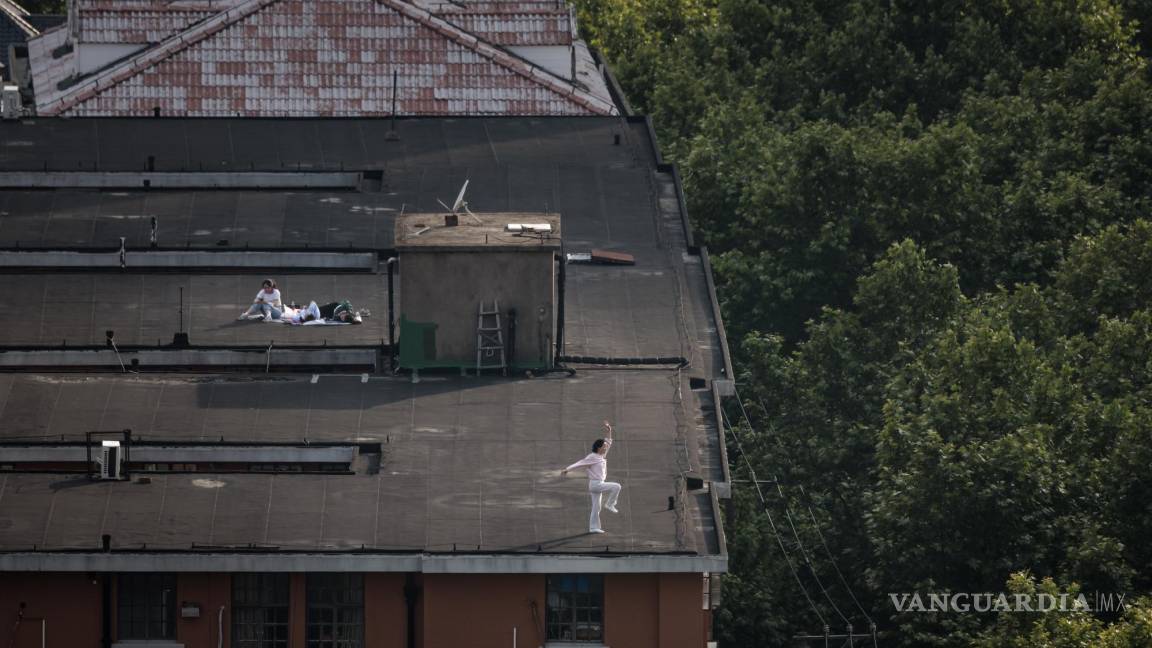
pixel 10 106
pixel 111 460
pixel 528 227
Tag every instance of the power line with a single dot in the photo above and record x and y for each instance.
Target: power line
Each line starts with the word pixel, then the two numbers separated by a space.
pixel 815 525
pixel 771 522
pixel 807 559
pixel 795 533
pixel 827 552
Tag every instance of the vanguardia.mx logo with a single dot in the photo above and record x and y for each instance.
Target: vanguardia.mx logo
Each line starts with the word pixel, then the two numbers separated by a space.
pixel 992 602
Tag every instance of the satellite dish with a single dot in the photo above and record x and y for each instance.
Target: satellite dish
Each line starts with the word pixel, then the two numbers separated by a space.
pixel 460 199
pixel 461 203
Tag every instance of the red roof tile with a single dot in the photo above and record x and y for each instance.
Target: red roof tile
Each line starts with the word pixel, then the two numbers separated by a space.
pixel 505 22
pixel 136 25
pixel 325 57
pixel 141 21
pixel 543 28
pixel 514 22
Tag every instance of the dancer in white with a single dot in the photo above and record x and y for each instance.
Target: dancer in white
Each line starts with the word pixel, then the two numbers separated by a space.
pixel 596 465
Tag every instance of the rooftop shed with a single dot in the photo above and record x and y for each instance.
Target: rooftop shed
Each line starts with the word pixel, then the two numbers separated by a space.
pixel 478 290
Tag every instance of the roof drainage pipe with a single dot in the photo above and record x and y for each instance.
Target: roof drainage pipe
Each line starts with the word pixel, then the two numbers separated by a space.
pixel 411 592
pixel 561 278
pixel 106 599
pixel 391 316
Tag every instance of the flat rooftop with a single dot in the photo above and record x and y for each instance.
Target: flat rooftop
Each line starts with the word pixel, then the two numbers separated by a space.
pixel 471 462
pixel 468 464
pixel 222 219
pixel 144 309
pixel 478 232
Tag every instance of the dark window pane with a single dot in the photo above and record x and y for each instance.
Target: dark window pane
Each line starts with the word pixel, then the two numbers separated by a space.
pixel 335 610
pixel 260 610
pixel 574 607
pixel 146 606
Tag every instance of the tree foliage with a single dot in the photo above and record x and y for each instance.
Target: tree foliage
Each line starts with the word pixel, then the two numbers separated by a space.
pixel 57 7
pixel 949 442
pixel 926 221
pixel 1063 629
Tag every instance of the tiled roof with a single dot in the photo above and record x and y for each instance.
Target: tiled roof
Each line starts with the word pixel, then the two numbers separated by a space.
pixel 324 57
pixel 489 6
pixel 51 62
pixel 515 22
pixel 141 21
pixel 544 28
pixel 547 22
pixel 132 25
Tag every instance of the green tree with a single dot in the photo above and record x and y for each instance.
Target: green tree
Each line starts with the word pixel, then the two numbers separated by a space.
pixel 58 7
pixel 1065 629
pixel 924 220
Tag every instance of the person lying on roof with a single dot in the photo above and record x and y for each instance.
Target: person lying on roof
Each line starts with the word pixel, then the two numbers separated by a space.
pixel 341 312
pixel 302 315
pixel 313 315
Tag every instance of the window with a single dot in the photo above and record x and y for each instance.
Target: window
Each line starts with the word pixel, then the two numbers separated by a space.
pixel 576 607
pixel 335 610
pixel 260 610
pixel 146 606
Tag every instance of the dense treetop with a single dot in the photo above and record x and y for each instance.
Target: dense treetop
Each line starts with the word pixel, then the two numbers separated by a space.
pixel 928 221
pixel 57 7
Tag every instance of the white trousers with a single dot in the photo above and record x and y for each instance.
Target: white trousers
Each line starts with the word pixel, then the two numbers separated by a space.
pixel 596 489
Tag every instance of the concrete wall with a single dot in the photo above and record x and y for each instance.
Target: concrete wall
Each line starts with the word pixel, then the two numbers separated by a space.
pixel 211 592
pixel 69 603
pixel 665 610
pixel 640 610
pixel 479 611
pixel 475 610
pixel 385 611
pixel 447 287
pixel 682 617
pixel 632 610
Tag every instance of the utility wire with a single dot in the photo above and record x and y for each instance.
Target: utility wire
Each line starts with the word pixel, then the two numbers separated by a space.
pixel 816 526
pixel 827 552
pixel 795 533
pixel 807 558
pixel 771 522
pixel 819 534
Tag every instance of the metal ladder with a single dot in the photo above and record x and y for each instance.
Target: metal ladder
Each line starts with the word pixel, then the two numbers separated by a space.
pixel 489 339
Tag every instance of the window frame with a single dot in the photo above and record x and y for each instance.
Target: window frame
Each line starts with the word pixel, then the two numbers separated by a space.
pixel 322 599
pixel 574 594
pixel 265 607
pixel 131 626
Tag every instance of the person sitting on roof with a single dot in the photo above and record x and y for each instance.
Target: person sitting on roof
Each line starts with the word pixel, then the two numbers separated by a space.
pixel 266 306
pixel 596 465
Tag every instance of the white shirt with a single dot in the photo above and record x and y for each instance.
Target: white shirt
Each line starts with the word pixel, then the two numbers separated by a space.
pixel 272 298
pixel 300 316
pixel 596 464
